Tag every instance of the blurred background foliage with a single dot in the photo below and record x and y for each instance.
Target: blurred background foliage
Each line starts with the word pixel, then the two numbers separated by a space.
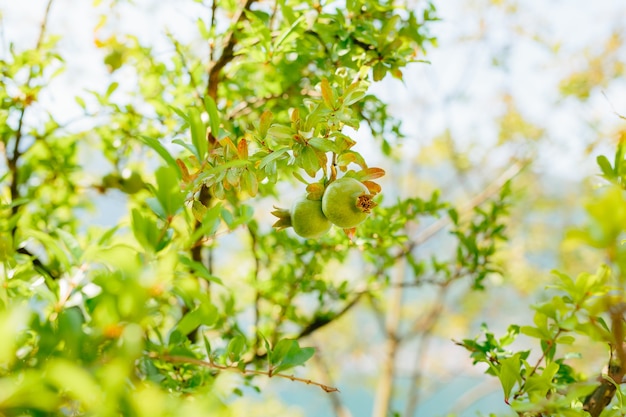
pixel 109 269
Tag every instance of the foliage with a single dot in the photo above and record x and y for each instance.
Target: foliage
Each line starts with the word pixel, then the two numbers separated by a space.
pixel 133 319
pixel 191 299
pixel 579 312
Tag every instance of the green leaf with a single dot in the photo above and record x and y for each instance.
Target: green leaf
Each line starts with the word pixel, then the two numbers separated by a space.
pixel 265 123
pixel 348 157
pixel 108 235
pixel 198 134
pixel 287 32
pixel 236 347
pixel 74 380
pixel 511 334
pixel 168 191
pixel 619 161
pixel 202 28
pixel 566 340
pixel 214 116
pixel 112 87
pixel 156 207
pixel 268 347
pixel 323 144
pixel 509 374
pixel 210 222
pixel 204 315
pixel 606 167
pixel 199 269
pixel 207 346
pixel 532 332
pixel 81 102
pixel 354 93
pixel 52 247
pixel 163 153
pixel 13 321
pixel 278 353
pixel 309 161
pixel 283 134
pixel 180 113
pixel 379 71
pixel 71 244
pixel 218 169
pixel 288 354
pixel 186 145
pixel 538 384
pixel 145 230
pixel 267 160
pixel 454 216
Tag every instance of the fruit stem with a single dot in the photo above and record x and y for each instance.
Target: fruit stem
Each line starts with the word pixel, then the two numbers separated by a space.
pixel 333 169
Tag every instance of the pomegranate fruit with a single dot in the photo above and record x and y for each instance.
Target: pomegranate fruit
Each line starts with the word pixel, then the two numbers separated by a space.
pixel 347 202
pixel 305 216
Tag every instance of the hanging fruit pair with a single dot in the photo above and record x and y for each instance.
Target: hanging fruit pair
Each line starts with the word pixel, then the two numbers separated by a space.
pixel 345 202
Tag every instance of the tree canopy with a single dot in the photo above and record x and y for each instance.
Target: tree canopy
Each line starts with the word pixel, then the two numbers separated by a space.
pixel 239 199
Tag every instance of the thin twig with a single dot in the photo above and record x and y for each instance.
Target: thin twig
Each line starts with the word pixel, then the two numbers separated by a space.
pixel 44 24
pixel 183 61
pixel 273 17
pixel 425 328
pixel 478 199
pixel 212 28
pixel 285 305
pixel 245 107
pixel 213 365
pixel 254 248
pixel 612 107
pixel 318 324
pixel 385 385
pixel 339 409
pixel 37 264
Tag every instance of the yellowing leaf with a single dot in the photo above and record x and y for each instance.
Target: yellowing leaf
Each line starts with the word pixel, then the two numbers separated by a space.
pixel 242 149
pixel 373 187
pixel 327 94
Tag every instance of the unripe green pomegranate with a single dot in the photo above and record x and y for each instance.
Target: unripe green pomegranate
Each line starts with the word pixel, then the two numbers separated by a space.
pixel 132 182
pixel 347 202
pixel 129 182
pixel 305 216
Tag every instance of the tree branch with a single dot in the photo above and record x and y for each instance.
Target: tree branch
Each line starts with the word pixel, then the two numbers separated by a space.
pixel 601 397
pixel 221 368
pixel 37 264
pixel 12 161
pixel 215 68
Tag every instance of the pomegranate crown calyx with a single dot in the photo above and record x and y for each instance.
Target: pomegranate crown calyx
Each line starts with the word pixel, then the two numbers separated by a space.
pixel 365 203
pixel 284 218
